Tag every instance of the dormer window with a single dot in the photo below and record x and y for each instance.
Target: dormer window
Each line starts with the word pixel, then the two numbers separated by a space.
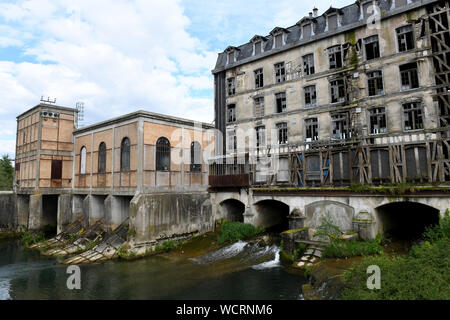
pixel 368 8
pixel 333 19
pixel 258 44
pixel 307 31
pixel 307 27
pixel 231 53
pixel 279 37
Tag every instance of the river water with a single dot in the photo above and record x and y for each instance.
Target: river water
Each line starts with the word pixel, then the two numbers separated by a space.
pixel 239 271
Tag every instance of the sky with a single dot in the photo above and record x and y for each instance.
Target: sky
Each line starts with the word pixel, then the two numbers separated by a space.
pixel 120 56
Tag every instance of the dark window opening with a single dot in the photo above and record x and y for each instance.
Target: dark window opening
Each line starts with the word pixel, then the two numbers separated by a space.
pixel 260 136
pixel 102 158
pixel 282 133
pixel 231 113
pixel 56 169
pixel 259 78
pixel 375 83
pixel 337 90
pixel 409 76
pixel 312 129
pixel 196 157
pixel 308 64
pixel 372 47
pixel 412 116
pixel 280 72
pixel 405 38
pixel 377 120
pixel 231 57
pixel 335 57
pixel 162 154
pixel 339 124
pixel 280 99
pixel 125 155
pixel 310 96
pixel 231 86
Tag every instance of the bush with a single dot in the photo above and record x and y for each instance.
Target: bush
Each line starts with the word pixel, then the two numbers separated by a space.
pixel 327 229
pixel 233 231
pixel 424 274
pixel 29 237
pixel 351 248
pixel 441 231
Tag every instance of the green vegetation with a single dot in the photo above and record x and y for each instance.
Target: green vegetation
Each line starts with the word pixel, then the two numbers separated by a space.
pixel 423 274
pixel 351 248
pixel 6 174
pixel 30 237
pixel 131 233
pixel 327 229
pixel 300 250
pixel 233 231
pixel 168 245
pixel 295 230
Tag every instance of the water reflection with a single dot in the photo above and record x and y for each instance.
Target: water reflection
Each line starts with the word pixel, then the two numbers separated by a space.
pixel 27 275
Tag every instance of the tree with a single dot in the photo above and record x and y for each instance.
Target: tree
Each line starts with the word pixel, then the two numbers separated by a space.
pixel 6 173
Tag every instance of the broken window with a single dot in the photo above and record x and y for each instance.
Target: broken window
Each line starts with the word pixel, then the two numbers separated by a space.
pixel 409 76
pixel 312 129
pixel 231 113
pixel 307 31
pixel 102 158
pixel 231 140
pixel 56 172
pixel 337 90
pixel 405 38
pixel 279 40
pixel 260 136
pixel 282 133
pixel 308 64
pixel 231 86
pixel 377 120
pixel 125 155
pixel 412 116
pixel 310 96
pixel 259 78
pixel 280 99
pixel 280 72
pixel 375 83
pixel 196 157
pixel 339 125
pixel 162 154
pixel 258 47
pixel 372 47
pixel 83 160
pixel 332 22
pixel 259 107
pixel 335 57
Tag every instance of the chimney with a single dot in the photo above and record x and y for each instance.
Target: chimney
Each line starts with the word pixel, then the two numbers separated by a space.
pixel 310 14
pixel 316 11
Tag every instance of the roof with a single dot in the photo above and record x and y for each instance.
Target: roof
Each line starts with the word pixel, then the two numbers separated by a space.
pixel 45 105
pixel 142 114
pixel 350 20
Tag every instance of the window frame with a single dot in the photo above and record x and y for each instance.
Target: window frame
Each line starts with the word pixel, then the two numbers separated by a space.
pixel 259 103
pixel 375 43
pixel 376 79
pixel 83 163
pixel 279 72
pixel 308 126
pixel 162 148
pixel 338 86
pixel 307 68
pixel 194 166
pixel 282 133
pixel 283 108
pixel 123 152
pixel 101 165
pixel 398 35
pixel 377 115
pixel 419 107
pixel 259 78
pixel 333 54
pixel 305 92
pixel 231 86
pixel 343 117
pixel 410 78
pixel 260 129
pixel 231 106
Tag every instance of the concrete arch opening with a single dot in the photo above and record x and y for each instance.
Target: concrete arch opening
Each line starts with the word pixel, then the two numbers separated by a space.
pixel 272 215
pixel 232 210
pixel 405 220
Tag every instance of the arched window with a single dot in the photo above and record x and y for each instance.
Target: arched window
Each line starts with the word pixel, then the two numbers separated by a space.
pixel 83 160
pixel 162 154
pixel 102 158
pixel 125 155
pixel 196 157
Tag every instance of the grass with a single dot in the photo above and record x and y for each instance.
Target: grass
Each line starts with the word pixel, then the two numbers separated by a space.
pixel 351 248
pixel 234 231
pixel 423 274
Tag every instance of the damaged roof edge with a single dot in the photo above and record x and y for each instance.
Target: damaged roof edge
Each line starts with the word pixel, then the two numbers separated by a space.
pixel 222 66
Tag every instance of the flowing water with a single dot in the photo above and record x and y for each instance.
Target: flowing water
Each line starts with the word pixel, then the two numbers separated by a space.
pixel 243 270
